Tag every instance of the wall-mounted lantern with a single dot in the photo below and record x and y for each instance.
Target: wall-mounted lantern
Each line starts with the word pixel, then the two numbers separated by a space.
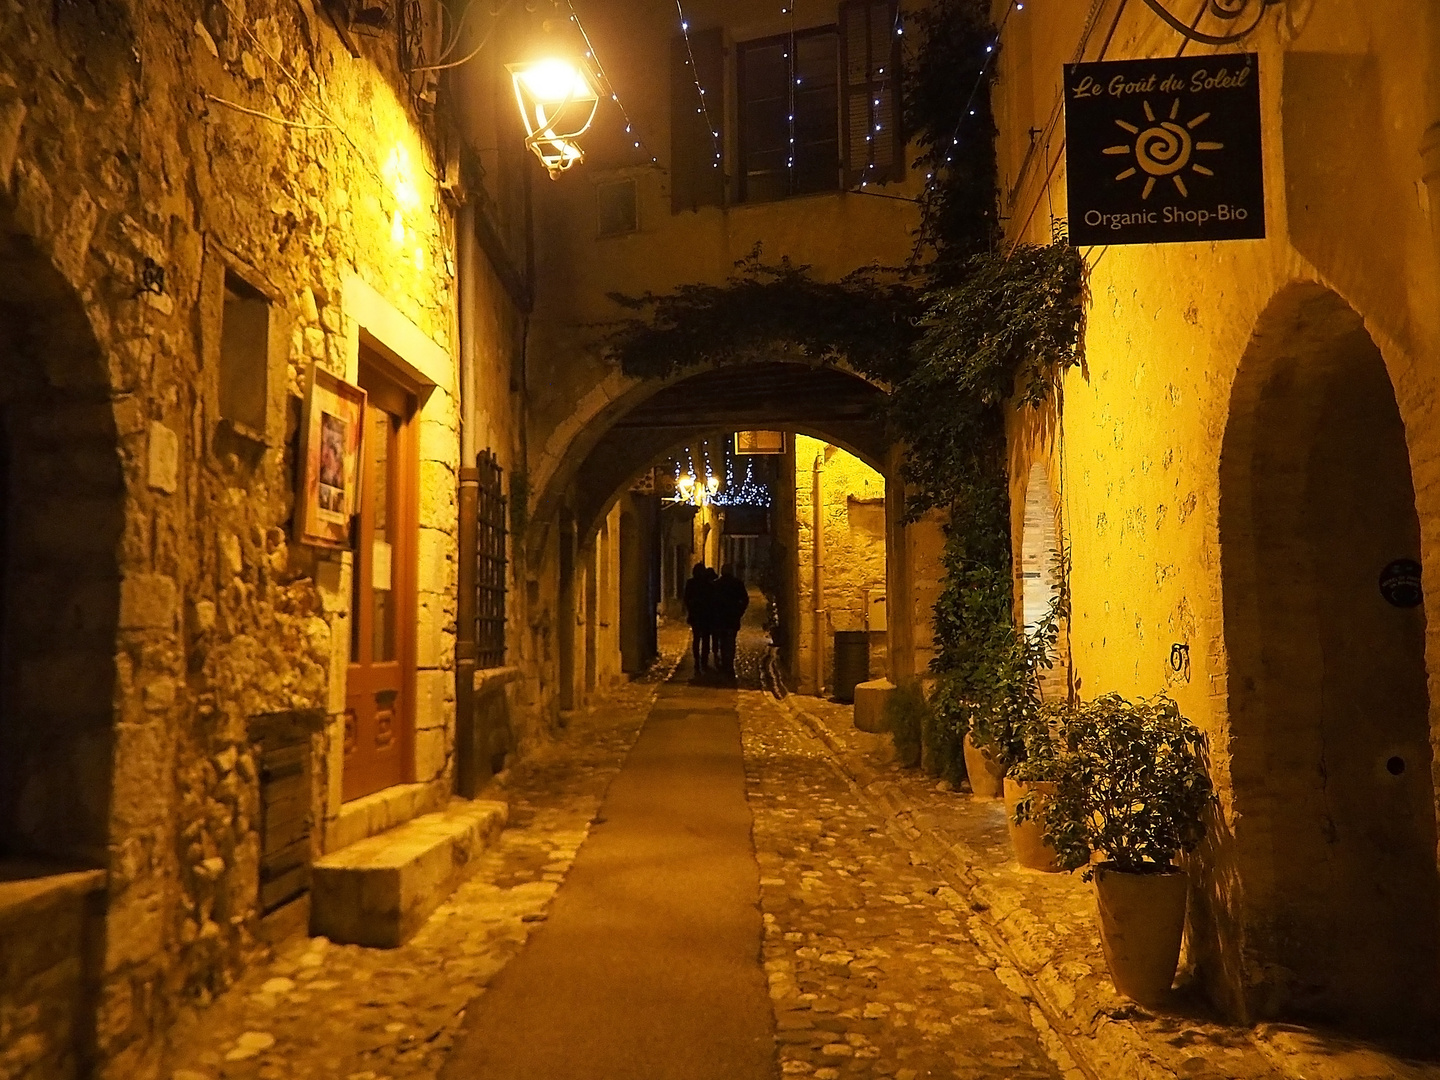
pixel 558 100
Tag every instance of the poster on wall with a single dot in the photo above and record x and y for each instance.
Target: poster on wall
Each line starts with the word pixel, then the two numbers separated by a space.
pixel 329 483
pixel 759 442
pixel 1164 151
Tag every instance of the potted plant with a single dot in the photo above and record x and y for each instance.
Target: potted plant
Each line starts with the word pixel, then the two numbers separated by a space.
pixel 1131 783
pixel 1029 785
pixel 1003 721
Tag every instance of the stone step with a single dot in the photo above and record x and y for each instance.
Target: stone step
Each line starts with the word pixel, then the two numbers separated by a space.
pixel 380 890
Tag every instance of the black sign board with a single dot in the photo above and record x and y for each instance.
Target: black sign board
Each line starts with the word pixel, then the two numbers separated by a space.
pixel 1164 151
pixel 1400 583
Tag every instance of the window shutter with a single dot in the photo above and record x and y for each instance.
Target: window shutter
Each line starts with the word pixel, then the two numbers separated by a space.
pixel 696 179
pixel 870 102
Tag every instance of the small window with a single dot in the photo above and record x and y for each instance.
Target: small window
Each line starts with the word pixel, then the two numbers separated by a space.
pixel 789 115
pixel 615 203
pixel 244 357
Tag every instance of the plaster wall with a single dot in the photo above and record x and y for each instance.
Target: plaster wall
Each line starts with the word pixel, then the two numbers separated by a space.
pixel 1134 453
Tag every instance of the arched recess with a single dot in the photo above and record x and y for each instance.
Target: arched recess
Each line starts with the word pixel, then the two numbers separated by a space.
pixel 1040 571
pixel 1328 704
pixel 63 517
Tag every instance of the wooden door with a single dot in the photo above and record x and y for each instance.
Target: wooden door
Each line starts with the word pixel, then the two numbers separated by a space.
pixel 380 690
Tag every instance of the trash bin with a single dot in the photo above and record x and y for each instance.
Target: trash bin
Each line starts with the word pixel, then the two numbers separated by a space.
pixel 852 662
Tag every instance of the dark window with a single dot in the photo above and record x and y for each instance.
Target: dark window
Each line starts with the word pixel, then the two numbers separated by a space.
pixel 697 131
pixel 615 208
pixel 490 565
pixel 789 115
pixel 870 66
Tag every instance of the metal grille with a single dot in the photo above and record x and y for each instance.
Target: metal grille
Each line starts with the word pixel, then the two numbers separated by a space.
pixel 490 564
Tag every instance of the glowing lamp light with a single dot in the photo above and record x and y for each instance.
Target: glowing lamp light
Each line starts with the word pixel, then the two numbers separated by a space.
pixel 558 99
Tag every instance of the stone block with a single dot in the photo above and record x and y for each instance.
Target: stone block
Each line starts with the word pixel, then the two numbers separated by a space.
pixel 870 699
pixel 147 602
pixel 360 819
pixel 379 891
pixel 431 752
pixel 162 463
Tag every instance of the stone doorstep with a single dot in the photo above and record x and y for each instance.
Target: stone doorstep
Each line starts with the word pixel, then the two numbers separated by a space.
pixel 380 890
pixel 1086 1010
pixel 372 815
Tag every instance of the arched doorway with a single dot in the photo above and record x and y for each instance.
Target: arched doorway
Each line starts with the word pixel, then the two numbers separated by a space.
pixel 1328 702
pixel 63 517
pixel 1040 572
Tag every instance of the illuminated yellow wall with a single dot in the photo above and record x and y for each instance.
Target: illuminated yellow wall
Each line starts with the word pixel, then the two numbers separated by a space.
pixel 1134 456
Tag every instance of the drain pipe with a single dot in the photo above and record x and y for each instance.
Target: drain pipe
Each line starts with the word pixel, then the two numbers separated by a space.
pixel 468 776
pixel 817 543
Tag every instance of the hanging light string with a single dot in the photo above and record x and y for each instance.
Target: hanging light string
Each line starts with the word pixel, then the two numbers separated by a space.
pixel 792 79
pixel 608 87
pixel 704 109
pixel 969 109
pixel 896 30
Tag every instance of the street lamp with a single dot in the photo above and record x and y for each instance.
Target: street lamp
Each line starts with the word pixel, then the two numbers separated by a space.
pixel 558 100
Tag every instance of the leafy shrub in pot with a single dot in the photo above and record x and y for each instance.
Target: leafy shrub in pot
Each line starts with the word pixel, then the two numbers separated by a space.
pixel 1131 783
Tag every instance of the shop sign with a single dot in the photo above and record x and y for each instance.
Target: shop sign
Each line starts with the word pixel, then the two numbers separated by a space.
pixel 1164 151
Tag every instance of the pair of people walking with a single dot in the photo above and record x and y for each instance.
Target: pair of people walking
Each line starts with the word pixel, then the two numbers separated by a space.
pixel 714 607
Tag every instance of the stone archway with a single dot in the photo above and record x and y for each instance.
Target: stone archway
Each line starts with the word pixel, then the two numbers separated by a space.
pixel 63 507
pixel 1328 702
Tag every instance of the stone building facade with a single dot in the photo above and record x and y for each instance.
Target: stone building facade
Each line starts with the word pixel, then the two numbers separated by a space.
pixel 197 204
pixel 1249 445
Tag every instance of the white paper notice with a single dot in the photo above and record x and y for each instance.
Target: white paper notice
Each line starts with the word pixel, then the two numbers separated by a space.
pixel 380 566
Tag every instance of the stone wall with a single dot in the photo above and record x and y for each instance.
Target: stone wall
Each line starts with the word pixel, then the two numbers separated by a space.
pixel 147 152
pixel 1205 368
pixel 853 573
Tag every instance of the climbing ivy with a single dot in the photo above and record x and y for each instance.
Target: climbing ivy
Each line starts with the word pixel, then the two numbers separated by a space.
pixel 966 331
pixel 766 310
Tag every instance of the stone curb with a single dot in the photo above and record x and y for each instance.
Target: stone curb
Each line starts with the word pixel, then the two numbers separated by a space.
pixel 1074 1027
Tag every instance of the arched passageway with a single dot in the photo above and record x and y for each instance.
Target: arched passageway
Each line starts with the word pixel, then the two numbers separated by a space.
pixel 595 484
pixel 1328 703
pixel 61 489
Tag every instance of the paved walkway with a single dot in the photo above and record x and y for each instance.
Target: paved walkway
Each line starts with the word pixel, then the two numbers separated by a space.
pixel 646 967
pixel 316 1011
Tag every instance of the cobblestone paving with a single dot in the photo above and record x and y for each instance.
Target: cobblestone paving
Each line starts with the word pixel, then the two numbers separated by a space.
pixel 871 970
pixel 322 1010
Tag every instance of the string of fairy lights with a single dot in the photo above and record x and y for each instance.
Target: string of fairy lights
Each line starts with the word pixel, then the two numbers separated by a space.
pixel 608 87
pixel 705 489
pixel 789 10
pixel 704 105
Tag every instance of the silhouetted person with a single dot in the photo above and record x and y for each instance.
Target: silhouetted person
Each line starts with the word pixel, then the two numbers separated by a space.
pixel 700 613
pixel 731 600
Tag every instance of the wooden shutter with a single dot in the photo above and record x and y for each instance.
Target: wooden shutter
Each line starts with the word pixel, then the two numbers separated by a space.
pixel 870 100
pixel 696 178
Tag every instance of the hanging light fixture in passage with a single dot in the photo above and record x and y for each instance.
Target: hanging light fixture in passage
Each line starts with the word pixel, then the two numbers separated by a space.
pixel 558 98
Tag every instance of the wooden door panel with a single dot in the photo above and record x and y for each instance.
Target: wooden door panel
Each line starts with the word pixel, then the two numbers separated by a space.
pixel 380 685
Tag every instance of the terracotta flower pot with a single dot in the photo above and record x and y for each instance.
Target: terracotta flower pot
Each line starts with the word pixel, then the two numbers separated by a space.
pixel 1028 839
pixel 1142 918
pixel 984 771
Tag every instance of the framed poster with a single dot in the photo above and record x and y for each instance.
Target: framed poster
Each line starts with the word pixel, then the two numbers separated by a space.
pixel 759 442
pixel 327 494
pixel 1164 151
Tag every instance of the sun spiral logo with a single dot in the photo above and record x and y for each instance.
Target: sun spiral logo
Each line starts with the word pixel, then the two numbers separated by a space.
pixel 1163 149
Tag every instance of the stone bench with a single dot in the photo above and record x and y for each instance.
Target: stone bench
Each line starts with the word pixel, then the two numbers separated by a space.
pixel 380 890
